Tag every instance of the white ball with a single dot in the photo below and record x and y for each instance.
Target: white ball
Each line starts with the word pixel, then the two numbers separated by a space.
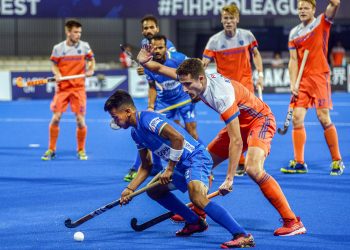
pixel 79 236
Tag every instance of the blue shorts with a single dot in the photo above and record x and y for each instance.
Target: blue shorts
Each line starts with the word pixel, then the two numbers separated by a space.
pixel 187 112
pixel 195 167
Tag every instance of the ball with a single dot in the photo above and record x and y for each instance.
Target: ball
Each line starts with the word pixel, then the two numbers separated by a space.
pixel 79 236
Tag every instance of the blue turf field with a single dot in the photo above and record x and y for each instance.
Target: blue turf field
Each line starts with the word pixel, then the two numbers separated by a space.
pixel 36 197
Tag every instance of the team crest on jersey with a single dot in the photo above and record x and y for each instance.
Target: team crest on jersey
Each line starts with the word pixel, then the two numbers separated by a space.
pixel 223 46
pixel 79 51
pixel 153 124
pixel 241 42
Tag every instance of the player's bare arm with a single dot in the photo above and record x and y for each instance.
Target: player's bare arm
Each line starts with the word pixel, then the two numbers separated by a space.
pixel 152 95
pixel 177 142
pixel 56 72
pixel 293 70
pixel 145 57
pixel 235 149
pixel 142 174
pixel 259 67
pixel 91 64
pixel 332 8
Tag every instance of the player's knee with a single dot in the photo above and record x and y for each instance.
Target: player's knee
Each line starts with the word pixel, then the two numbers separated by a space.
pixel 254 173
pixel 55 119
pixel 297 121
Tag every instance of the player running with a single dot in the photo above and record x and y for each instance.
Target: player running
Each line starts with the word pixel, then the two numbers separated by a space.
pixel 315 89
pixel 250 125
pixel 188 168
pixel 69 58
pixel 233 49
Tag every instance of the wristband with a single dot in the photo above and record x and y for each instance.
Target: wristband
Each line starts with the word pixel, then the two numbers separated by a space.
pixel 175 154
pixel 261 74
pixel 130 189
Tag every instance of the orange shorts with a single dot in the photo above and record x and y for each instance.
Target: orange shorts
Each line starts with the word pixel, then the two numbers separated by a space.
pixel 258 134
pixel 315 91
pixel 76 98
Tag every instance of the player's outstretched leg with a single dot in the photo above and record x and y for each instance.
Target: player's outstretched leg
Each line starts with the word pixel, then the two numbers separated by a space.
pixel 194 224
pixel 292 225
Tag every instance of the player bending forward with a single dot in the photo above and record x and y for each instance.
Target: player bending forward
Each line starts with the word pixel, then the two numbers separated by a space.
pixel 250 125
pixel 188 168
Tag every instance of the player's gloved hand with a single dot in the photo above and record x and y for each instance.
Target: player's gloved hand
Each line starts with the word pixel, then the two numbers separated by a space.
pixel 165 177
pixel 226 186
pixel 124 199
pixel 140 71
pixel 145 54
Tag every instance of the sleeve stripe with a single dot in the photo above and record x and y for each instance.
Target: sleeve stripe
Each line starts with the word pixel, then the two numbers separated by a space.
pixel 161 128
pixel 208 57
pixel 232 117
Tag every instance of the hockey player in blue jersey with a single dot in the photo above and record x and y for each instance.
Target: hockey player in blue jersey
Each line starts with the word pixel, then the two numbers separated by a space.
pixel 164 92
pixel 188 168
pixel 149 29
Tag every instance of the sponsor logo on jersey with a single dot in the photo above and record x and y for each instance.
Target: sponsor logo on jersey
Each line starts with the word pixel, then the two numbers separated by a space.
pixel 153 124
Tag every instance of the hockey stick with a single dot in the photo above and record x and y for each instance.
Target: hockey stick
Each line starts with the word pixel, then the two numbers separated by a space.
pixel 260 93
pixel 293 98
pixel 21 84
pixel 68 222
pixel 115 126
pixel 160 218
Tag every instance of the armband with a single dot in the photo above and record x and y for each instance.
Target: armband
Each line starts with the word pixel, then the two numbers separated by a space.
pixel 175 154
pixel 261 74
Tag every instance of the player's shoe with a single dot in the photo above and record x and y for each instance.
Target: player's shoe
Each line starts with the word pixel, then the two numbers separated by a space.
pixel 179 219
pixel 290 227
pixel 48 155
pixel 295 168
pixel 337 168
pixel 240 170
pixel 130 175
pixel 239 241
pixel 82 155
pixel 190 229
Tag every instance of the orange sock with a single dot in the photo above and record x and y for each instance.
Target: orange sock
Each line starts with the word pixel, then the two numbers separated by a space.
pixel 331 135
pixel 53 135
pixel 299 140
pixel 272 191
pixel 81 137
pixel 242 160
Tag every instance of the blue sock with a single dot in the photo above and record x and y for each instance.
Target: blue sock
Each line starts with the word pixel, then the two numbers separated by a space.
pixel 221 216
pixel 137 162
pixel 172 203
pixel 157 162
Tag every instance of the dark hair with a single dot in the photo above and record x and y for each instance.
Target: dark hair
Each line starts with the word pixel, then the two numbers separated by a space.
pixel 118 99
pixel 159 37
pixel 192 66
pixel 150 18
pixel 72 23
